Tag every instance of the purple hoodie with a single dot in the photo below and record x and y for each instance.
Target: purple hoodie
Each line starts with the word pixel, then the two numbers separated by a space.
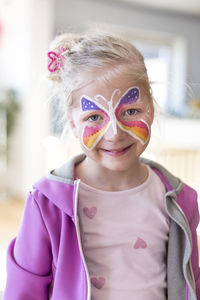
pixel 46 259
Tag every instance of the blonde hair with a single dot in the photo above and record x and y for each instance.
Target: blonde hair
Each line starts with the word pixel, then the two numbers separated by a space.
pixel 93 52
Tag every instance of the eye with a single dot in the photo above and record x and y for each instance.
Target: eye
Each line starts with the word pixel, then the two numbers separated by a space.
pixel 94 118
pixel 130 112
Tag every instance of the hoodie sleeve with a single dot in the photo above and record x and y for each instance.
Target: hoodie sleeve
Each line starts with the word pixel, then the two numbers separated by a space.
pixel 29 258
pixel 195 251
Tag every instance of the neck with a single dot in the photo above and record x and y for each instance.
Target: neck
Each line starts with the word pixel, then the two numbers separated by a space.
pixel 110 180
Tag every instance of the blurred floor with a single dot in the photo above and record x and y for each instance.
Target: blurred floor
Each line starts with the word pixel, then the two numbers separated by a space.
pixel 10 216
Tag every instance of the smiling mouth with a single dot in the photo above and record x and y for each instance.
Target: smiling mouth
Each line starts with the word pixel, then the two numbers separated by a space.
pixel 117 152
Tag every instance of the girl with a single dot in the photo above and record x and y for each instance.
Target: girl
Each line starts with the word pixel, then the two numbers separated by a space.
pixel 108 224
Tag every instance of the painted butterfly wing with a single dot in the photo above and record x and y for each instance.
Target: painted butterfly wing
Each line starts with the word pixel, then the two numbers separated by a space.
pixel 91 135
pixel 89 104
pixel 139 129
pixel 130 96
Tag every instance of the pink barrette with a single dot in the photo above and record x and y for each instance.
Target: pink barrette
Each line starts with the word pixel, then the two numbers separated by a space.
pixel 57 59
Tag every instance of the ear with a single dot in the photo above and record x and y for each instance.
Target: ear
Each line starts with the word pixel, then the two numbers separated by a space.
pixel 72 125
pixel 151 112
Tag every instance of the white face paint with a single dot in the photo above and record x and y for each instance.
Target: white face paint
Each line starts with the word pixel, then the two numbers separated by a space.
pixel 112 116
pixel 111 109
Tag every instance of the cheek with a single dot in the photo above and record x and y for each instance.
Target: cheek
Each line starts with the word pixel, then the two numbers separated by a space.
pixel 90 136
pixel 139 129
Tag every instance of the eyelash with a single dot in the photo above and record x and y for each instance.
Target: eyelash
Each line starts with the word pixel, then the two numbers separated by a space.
pixel 131 109
pixel 99 117
pixel 90 118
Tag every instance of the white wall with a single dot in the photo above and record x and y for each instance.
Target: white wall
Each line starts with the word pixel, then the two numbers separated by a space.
pixel 27 30
pixel 71 15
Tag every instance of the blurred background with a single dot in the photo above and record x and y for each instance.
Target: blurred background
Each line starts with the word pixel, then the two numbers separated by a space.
pixel 166 32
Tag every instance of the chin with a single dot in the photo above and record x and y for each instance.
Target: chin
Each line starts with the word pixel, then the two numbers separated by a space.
pixel 118 166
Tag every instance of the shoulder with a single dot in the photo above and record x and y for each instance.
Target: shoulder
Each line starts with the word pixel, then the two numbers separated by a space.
pixel 51 195
pixel 186 195
pixel 187 200
pixel 58 185
pixel 170 181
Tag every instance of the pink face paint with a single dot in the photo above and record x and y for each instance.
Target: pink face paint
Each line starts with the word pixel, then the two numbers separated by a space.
pixel 91 135
pixel 139 129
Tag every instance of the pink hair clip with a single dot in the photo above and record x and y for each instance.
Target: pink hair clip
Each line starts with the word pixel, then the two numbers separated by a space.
pixel 57 59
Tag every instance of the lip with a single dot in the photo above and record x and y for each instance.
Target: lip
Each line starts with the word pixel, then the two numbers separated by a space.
pixel 117 151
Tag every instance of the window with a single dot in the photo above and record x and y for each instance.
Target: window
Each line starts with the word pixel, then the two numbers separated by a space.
pixel 166 67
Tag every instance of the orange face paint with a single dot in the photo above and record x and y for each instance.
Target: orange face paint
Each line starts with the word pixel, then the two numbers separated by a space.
pixel 91 135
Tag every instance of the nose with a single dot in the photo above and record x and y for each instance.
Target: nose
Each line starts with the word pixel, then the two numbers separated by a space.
pixel 114 134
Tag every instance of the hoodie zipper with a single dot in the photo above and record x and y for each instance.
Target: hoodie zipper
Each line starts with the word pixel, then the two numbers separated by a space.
pixel 188 285
pixel 77 182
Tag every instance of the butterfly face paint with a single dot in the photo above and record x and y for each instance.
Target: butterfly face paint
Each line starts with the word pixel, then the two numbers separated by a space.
pixel 113 116
pixel 139 129
pixel 92 135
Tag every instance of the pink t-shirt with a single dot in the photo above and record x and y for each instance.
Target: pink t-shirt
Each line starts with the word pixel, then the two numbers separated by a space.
pixel 124 237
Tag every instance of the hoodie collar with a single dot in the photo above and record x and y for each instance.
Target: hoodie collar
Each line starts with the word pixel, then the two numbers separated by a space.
pixel 171 182
pixel 59 185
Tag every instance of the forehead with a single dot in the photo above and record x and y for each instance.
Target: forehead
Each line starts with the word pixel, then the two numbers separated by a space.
pixel 105 90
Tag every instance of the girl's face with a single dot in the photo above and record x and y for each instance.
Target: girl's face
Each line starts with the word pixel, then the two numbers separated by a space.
pixel 112 121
